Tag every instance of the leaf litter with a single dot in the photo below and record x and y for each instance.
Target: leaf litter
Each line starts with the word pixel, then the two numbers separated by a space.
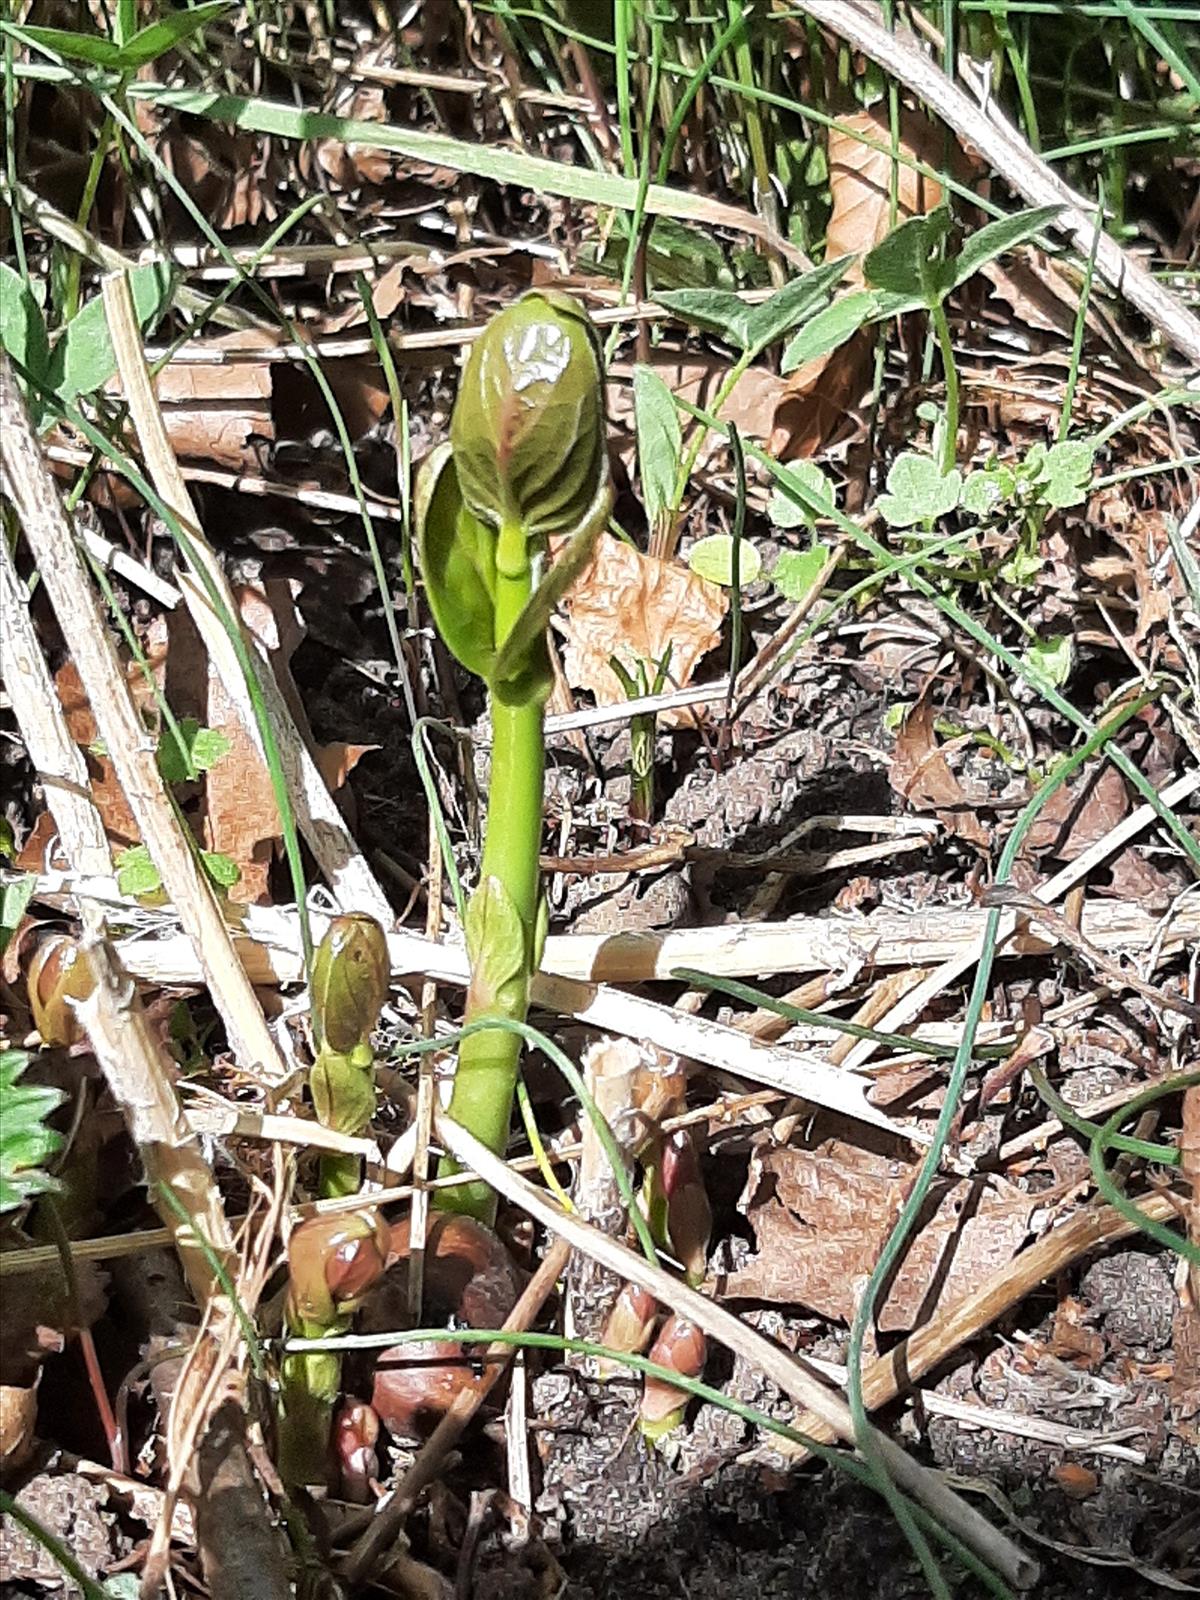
pixel 966 751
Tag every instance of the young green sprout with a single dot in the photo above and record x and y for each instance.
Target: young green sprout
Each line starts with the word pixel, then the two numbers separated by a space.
pixel 351 972
pixel 526 464
pixel 332 1263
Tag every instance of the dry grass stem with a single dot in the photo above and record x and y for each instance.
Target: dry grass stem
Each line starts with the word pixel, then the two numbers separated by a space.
pixel 141 1078
pixel 130 748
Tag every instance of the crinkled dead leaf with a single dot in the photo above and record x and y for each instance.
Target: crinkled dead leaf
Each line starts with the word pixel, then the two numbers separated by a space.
pixel 635 607
pixel 107 793
pixel 821 1218
pixel 922 775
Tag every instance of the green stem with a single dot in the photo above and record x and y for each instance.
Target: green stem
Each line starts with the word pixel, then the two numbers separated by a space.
pixel 486 1077
pixel 950 441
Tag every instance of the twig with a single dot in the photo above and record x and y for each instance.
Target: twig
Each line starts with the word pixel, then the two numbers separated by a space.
pixel 788 1371
pixel 270 945
pixel 917 999
pixel 1066 933
pixel 349 876
pixel 130 748
pixel 58 759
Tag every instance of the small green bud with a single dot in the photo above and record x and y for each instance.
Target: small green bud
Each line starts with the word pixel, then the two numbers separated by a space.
pixel 528 429
pixel 351 974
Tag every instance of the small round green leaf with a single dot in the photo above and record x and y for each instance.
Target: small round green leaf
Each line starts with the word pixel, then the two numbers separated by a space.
pixel 712 558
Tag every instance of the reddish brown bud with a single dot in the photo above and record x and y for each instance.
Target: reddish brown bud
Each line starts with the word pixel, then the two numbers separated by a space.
pixel 689 1215
pixel 355 1435
pixel 630 1327
pixel 333 1261
pixel 57 975
pixel 416 1384
pixel 469 1273
pixel 681 1347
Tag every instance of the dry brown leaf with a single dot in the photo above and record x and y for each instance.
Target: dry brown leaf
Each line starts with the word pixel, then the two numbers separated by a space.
pixel 821 1217
pixel 634 607
pixel 921 774
pixel 213 411
pixel 241 818
pixel 821 397
pixel 107 793
pixel 1079 813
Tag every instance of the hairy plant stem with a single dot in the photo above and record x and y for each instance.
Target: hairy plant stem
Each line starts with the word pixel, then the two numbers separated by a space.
pixel 486 1077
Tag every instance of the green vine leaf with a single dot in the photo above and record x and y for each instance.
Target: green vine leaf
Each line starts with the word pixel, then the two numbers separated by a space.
pixel 918 491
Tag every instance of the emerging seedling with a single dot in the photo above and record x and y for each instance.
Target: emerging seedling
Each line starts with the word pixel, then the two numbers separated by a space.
pixel 332 1263
pixel 350 978
pixel 526 464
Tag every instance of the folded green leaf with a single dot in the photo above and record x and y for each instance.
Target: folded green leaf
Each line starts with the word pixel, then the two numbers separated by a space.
pixel 350 980
pixel 458 563
pixel 659 442
pixel 528 428
pixel 83 360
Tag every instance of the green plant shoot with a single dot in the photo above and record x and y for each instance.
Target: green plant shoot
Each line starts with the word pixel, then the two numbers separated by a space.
pixel 527 463
pixel 333 1261
pixel 349 986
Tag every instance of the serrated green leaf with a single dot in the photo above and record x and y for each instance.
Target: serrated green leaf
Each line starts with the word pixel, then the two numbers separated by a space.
pixel 659 442
pixel 831 328
pixel 787 507
pixel 712 558
pixel 1022 567
pixel 204 746
pixel 918 491
pixel 982 493
pixel 136 873
pixel 83 360
pixel 796 571
pixel 1051 659
pixel 25 1142
pixel 1065 472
